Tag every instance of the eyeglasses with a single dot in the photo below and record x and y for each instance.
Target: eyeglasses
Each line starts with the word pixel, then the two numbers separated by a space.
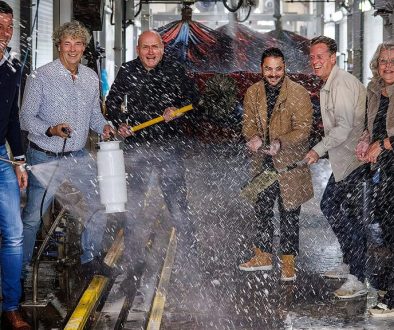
pixel 385 62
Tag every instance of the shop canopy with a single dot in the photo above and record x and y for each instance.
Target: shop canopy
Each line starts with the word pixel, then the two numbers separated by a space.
pixel 200 48
pixel 231 48
pixel 294 47
pixel 249 45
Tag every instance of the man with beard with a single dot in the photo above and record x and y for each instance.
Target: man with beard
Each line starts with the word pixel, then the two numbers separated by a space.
pixel 276 124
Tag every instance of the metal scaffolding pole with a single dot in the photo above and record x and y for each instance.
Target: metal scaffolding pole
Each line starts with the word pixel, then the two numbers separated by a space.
pixel 358 40
pixel 118 44
pixel 277 15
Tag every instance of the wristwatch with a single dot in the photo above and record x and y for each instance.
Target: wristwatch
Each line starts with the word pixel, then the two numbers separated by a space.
pixel 48 132
pixel 381 144
pixel 20 158
pixel 391 139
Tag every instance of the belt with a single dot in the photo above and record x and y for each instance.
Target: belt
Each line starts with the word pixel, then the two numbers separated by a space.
pixel 49 153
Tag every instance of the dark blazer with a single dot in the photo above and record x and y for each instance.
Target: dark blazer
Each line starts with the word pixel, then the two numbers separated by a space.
pixel 10 75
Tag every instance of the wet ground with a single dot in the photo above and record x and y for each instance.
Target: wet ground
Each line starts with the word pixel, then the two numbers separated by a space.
pixel 208 291
pixel 217 295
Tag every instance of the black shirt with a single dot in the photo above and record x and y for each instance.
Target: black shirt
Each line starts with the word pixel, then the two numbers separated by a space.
pixel 149 93
pixel 10 74
pixel 272 93
pixel 379 132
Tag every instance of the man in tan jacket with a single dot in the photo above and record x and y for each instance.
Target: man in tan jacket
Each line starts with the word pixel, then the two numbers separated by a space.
pixel 342 103
pixel 276 124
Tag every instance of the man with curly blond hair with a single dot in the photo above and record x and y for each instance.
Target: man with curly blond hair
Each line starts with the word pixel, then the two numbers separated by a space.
pixel 61 104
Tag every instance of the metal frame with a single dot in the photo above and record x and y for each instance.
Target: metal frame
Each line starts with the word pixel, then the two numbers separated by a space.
pixel 36 264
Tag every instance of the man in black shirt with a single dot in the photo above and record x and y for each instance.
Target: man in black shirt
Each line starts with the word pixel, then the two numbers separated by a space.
pixel 154 86
pixel 10 219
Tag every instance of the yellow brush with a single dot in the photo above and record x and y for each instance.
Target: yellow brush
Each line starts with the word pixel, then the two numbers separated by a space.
pixel 265 179
pixel 161 118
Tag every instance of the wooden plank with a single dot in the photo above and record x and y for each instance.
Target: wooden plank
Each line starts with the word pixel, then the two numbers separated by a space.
pixel 113 307
pixel 87 303
pixel 116 250
pixel 161 293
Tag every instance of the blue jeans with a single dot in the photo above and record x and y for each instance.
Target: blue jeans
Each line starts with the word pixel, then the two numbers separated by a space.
pixel 79 170
pixel 11 232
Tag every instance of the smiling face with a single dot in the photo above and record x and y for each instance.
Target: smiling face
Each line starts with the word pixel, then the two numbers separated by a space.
pixel 150 49
pixel 273 70
pixel 386 66
pixel 6 30
pixel 321 60
pixel 70 52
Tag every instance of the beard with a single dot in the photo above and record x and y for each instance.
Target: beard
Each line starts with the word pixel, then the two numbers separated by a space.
pixel 278 79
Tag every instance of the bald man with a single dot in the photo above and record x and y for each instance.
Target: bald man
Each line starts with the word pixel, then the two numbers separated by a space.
pixel 154 86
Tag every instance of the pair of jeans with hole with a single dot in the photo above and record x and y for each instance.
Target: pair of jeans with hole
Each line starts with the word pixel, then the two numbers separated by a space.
pixel 11 235
pixel 79 170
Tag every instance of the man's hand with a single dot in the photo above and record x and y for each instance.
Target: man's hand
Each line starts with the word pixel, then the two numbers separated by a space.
pixel 311 157
pixel 108 132
pixel 254 143
pixel 273 149
pixel 361 150
pixel 124 130
pixel 373 152
pixel 62 130
pixel 21 175
pixel 362 146
pixel 168 114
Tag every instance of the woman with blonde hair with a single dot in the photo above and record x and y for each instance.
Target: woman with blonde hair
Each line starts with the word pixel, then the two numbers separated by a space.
pixel 376 147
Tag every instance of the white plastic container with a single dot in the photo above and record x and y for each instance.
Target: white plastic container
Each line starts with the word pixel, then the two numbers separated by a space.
pixel 111 177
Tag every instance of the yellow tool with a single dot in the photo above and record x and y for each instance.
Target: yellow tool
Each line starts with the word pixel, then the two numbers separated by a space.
pixel 160 118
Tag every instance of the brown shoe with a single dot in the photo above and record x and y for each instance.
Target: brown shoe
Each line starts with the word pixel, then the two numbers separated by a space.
pixel 14 320
pixel 261 261
pixel 288 267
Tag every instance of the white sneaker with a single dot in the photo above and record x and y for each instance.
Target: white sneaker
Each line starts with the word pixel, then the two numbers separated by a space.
pixel 341 271
pixel 381 294
pixel 381 310
pixel 352 288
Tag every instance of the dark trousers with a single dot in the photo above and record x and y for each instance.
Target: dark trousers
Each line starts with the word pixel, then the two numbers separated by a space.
pixel 342 205
pixel 383 214
pixel 289 222
pixel 162 167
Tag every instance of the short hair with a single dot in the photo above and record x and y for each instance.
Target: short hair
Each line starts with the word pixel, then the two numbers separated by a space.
pixel 158 35
pixel 330 43
pixel 5 8
pixel 272 52
pixel 73 29
pixel 374 64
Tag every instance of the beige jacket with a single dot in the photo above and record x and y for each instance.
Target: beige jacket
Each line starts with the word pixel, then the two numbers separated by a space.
pixel 374 93
pixel 290 122
pixel 342 104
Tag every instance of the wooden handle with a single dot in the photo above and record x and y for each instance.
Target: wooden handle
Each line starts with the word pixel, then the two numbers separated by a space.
pixel 160 118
